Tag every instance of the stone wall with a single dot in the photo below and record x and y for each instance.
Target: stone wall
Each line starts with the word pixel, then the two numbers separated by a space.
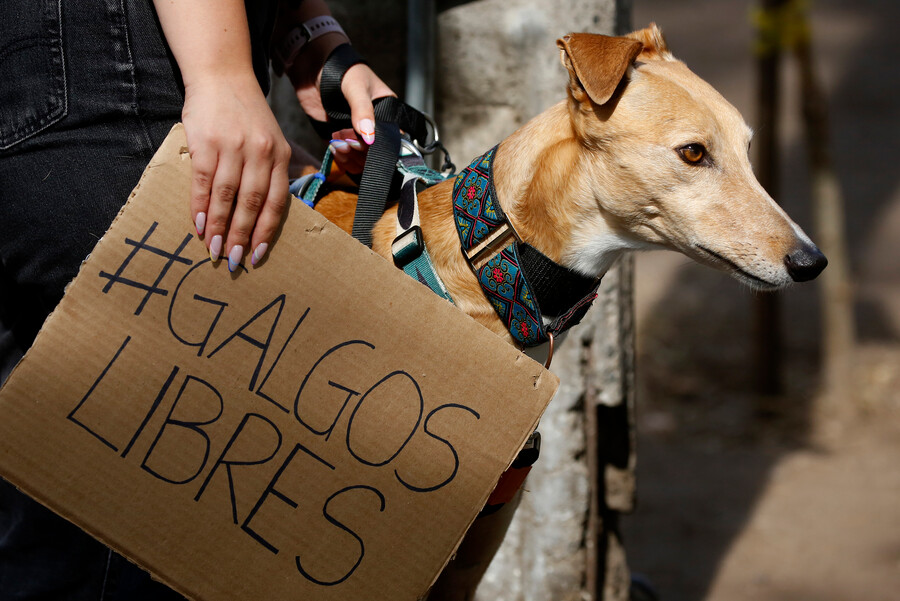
pixel 498 66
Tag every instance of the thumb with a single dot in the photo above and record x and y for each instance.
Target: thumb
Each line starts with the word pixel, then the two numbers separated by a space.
pixel 359 86
pixel 362 113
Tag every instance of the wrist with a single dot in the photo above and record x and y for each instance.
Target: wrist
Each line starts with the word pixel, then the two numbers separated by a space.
pixel 235 81
pixel 306 70
pixel 235 68
pixel 301 41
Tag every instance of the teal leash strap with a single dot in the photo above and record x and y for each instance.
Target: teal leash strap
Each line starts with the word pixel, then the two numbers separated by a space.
pixel 422 269
pixel 408 248
pixel 424 173
pixel 412 257
pixel 310 195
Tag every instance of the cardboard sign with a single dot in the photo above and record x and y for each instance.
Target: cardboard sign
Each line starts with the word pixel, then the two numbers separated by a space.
pixel 319 427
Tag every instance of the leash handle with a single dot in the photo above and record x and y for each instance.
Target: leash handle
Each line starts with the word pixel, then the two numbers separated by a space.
pixel 391 115
pixel 388 108
pixel 336 66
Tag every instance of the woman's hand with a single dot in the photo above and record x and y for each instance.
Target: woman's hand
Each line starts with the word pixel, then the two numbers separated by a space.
pixel 239 187
pixel 349 153
pixel 360 87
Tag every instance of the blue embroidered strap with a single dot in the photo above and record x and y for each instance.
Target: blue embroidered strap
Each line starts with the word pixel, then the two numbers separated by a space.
pixel 486 233
pixel 475 209
pixel 506 288
pixel 408 249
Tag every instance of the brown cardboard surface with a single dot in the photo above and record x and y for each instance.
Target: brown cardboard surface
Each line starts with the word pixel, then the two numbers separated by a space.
pixel 320 427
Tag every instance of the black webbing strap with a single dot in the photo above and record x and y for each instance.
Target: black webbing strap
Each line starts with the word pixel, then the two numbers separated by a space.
pixel 556 288
pixel 336 65
pixel 391 115
pixel 376 180
pixel 573 316
pixel 560 292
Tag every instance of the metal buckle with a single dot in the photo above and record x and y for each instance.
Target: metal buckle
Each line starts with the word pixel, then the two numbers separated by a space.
pixel 408 246
pixel 413 147
pixel 435 143
pixel 529 453
pixel 304 29
pixel 478 256
pixel 409 148
pixel 551 339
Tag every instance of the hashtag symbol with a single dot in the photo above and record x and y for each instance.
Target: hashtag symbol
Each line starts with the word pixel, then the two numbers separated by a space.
pixel 153 288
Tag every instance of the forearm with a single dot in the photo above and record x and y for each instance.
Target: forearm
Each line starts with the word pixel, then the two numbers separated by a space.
pixel 239 157
pixel 209 38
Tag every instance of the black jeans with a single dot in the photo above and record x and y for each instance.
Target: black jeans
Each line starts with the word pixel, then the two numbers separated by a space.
pixel 88 91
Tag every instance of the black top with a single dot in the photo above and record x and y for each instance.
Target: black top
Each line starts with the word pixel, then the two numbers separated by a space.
pixel 261 19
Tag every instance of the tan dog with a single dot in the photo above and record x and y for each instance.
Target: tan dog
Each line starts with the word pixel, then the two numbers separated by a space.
pixel 643 154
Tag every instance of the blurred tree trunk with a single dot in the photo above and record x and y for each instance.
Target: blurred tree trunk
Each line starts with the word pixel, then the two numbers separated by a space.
pixel 828 204
pixel 767 307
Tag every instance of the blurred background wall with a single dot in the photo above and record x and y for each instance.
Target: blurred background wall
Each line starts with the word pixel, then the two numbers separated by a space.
pixel 796 495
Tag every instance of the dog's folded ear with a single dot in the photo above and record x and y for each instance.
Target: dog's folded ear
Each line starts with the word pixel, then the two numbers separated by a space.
pixel 596 63
pixel 655 46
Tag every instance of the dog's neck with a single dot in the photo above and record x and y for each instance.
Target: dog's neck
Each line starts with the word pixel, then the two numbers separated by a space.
pixel 542 177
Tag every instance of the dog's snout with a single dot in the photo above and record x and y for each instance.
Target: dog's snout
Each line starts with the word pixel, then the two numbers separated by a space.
pixel 805 263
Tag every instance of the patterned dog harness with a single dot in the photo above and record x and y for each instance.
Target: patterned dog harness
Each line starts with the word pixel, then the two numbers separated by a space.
pixel 523 285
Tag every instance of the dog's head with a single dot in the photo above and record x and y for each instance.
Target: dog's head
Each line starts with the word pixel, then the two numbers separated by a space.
pixel 670 162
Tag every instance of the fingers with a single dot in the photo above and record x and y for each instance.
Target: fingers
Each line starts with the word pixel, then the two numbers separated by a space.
pixel 269 218
pixel 360 86
pixel 204 168
pixel 346 134
pixel 250 201
pixel 261 201
pixel 362 114
pixel 225 185
pixel 238 202
pixel 239 160
pixel 349 152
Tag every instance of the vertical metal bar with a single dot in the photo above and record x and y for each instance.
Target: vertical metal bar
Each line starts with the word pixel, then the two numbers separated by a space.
pixel 420 54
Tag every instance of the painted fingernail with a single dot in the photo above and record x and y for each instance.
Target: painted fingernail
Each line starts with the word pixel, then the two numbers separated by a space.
pixel 367 129
pixel 235 256
pixel 354 144
pixel 215 248
pixel 339 146
pixel 200 223
pixel 259 253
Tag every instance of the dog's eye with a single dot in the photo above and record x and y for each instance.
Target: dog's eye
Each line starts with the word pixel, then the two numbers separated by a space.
pixel 693 153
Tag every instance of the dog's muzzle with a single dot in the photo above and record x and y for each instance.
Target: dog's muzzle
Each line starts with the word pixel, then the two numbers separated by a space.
pixel 805 262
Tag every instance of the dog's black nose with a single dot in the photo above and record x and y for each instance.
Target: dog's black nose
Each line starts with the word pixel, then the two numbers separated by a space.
pixel 805 263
